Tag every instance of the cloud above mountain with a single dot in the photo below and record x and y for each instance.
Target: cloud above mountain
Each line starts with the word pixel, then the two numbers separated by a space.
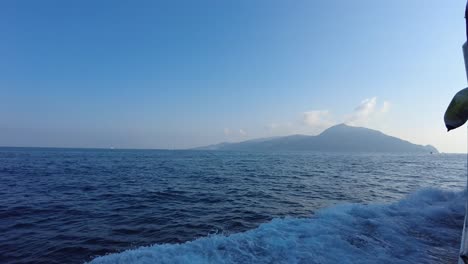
pixel 370 112
pixel 367 112
pixel 234 133
pixel 318 118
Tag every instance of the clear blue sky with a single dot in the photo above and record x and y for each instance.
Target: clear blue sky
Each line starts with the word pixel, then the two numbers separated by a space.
pixel 176 74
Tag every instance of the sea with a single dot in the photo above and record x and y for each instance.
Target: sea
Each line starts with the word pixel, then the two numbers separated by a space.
pixel 181 206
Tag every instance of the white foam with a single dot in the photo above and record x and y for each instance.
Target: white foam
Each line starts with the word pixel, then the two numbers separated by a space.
pixel 425 227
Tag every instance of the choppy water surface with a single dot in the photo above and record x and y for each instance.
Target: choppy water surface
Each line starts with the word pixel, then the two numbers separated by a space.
pixel 70 206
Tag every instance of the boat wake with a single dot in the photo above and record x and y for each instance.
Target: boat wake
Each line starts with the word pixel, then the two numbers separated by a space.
pixel 424 227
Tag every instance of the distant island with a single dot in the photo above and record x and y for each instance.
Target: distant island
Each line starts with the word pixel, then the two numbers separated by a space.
pixel 339 138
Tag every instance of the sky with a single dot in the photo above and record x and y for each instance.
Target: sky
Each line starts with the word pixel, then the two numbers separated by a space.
pixel 180 74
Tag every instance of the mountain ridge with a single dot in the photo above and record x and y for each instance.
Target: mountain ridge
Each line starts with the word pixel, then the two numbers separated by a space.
pixel 338 138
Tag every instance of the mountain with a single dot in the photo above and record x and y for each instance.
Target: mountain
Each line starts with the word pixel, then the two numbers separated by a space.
pixel 339 138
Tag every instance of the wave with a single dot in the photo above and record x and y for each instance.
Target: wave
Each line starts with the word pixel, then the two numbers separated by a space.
pixel 424 227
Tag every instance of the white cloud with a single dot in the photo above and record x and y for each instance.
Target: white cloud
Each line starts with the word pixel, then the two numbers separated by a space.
pixel 318 119
pixel 385 107
pixel 367 112
pixel 273 126
pixel 279 129
pixel 362 112
pixel 242 132
pixel 234 134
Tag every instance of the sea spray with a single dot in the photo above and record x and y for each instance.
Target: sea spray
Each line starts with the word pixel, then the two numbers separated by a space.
pixel 424 227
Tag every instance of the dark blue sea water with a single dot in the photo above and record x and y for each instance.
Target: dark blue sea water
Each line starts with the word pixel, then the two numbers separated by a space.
pixel 73 205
